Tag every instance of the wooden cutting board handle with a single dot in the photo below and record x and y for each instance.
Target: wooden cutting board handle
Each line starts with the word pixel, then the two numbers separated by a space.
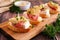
pixel 4 24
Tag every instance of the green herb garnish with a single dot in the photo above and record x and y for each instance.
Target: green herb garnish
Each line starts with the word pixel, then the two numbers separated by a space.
pixel 16 9
pixel 57 24
pixel 32 26
pixel 52 29
pixel 16 18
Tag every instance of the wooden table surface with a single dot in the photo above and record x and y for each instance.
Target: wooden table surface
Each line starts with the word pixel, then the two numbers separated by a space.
pixel 6 15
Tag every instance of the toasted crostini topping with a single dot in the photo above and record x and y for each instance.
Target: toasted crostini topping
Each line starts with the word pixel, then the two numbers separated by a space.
pixel 21 22
pixel 47 12
pixel 32 17
pixel 53 5
pixel 13 20
pixel 39 19
pixel 22 18
pixel 27 24
pixel 41 6
pixel 33 11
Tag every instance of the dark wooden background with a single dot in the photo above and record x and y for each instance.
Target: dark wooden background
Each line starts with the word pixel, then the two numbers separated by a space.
pixel 6 15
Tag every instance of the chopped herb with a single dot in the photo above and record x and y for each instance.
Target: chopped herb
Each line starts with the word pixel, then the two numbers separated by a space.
pixel 50 31
pixel 21 17
pixel 16 18
pixel 29 12
pixel 32 26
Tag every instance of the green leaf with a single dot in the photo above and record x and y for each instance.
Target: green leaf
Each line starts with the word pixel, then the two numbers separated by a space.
pixel 52 29
pixel 57 24
pixel 57 28
pixel 16 9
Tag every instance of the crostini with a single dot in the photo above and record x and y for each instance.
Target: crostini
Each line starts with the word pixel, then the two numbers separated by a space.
pixel 44 11
pixel 33 16
pixel 53 7
pixel 19 24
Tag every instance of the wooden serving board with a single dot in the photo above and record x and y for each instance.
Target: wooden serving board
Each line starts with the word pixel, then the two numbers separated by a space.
pixel 33 32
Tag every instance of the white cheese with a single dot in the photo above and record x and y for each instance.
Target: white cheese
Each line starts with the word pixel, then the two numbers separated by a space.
pixel 39 19
pixel 27 24
pixel 18 17
pixel 13 20
pixel 47 12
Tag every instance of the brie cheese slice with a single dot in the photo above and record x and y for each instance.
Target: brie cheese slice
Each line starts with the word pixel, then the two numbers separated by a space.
pixel 39 19
pixel 47 12
pixel 27 24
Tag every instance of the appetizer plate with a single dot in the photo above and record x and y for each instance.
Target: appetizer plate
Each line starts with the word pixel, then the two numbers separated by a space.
pixel 5 2
pixel 33 32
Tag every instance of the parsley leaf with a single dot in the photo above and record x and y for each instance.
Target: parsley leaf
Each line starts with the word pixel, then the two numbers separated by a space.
pixel 16 9
pixel 52 29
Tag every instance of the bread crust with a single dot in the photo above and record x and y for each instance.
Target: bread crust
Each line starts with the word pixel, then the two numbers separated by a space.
pixel 15 29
